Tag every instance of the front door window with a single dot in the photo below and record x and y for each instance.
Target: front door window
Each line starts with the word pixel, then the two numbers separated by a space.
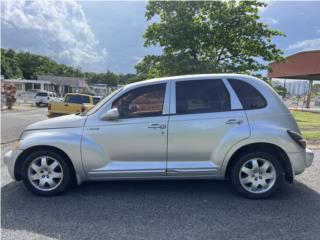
pixel 141 102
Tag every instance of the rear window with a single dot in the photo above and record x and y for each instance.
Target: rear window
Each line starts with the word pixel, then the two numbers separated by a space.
pixel 77 99
pixel 249 97
pixel 42 94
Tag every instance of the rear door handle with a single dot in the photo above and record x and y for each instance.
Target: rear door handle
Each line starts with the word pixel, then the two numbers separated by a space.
pixel 156 125
pixel 234 121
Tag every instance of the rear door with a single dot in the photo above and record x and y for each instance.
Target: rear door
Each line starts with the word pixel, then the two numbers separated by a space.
pixel 206 120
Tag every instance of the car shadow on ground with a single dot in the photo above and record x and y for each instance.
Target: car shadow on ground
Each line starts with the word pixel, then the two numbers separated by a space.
pixel 161 210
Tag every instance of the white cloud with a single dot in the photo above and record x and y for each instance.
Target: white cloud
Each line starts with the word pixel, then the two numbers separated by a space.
pixel 270 20
pixel 308 44
pixel 59 29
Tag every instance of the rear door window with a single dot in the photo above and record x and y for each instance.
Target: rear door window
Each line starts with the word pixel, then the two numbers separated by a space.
pixel 248 95
pixel 202 96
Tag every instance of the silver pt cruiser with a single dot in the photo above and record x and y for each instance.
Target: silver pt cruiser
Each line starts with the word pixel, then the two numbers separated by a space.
pixel 211 126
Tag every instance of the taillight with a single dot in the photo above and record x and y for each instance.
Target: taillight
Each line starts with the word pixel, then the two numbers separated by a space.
pixel 83 108
pixel 49 107
pixel 298 139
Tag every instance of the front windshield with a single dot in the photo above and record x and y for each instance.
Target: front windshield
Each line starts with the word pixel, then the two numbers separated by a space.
pixel 102 102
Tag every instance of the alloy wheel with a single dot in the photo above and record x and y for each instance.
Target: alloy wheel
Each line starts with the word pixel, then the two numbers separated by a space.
pixel 257 175
pixel 45 173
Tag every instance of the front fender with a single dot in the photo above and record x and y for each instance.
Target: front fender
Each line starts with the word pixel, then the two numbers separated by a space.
pixel 67 140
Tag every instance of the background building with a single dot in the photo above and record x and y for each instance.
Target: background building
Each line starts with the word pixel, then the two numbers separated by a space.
pixel 294 87
pixel 63 85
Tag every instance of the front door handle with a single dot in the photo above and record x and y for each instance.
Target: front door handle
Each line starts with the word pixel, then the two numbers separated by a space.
pixel 234 121
pixel 156 125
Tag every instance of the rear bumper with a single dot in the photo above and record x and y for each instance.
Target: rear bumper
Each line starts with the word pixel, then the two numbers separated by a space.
pixel 301 160
pixel 309 157
pixel 10 159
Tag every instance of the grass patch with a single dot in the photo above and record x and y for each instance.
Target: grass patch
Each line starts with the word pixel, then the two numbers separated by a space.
pixel 311 135
pixel 307 118
pixel 309 124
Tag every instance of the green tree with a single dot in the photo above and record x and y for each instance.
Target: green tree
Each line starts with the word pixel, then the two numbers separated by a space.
pixel 9 64
pixel 282 91
pixel 206 37
pixel 29 66
pixel 108 78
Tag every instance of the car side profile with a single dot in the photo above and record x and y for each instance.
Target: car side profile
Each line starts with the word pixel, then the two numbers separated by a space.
pixel 44 97
pixel 211 126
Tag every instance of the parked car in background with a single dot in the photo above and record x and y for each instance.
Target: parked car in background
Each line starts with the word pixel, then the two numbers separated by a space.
pixel 317 101
pixel 44 97
pixel 212 126
pixel 72 103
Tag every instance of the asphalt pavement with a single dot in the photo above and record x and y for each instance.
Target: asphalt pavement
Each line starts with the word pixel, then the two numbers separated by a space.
pixel 157 209
pixel 13 122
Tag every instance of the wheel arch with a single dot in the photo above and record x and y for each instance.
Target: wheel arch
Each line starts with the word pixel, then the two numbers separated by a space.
pixel 263 147
pixel 28 151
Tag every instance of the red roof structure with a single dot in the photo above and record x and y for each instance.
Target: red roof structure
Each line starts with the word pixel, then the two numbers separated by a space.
pixel 302 65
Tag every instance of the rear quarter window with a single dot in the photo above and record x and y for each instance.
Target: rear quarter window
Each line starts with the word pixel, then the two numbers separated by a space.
pixel 248 95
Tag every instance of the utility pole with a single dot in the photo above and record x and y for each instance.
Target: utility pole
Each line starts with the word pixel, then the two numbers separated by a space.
pixel 309 93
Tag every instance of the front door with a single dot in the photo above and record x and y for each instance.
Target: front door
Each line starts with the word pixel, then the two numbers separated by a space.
pixel 205 123
pixel 135 145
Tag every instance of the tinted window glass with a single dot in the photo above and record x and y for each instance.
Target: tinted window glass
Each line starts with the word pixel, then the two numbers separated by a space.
pixel 141 102
pixel 42 94
pixel 77 99
pixel 96 100
pixel 202 96
pixel 249 97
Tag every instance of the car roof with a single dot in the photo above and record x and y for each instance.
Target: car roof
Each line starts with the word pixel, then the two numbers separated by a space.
pixel 210 76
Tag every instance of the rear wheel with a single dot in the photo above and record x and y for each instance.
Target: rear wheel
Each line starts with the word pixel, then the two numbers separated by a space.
pixel 46 173
pixel 257 175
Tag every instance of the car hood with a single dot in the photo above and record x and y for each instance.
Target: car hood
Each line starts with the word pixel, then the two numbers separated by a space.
pixel 68 121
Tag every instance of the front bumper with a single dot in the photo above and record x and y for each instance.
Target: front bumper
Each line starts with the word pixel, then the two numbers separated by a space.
pixel 10 159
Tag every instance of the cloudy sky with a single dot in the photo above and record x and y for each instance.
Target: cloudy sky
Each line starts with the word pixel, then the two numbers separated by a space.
pixel 106 35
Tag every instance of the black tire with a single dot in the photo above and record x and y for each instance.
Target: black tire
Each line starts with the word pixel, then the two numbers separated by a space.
pixel 38 104
pixel 235 175
pixel 65 168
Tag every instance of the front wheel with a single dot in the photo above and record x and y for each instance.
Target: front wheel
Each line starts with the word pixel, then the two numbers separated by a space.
pixel 257 175
pixel 46 173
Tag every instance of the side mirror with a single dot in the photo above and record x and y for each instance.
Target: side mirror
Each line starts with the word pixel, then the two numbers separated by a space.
pixel 112 114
